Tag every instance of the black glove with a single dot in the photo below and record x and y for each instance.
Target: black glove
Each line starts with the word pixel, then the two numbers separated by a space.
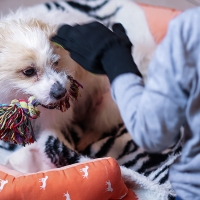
pixel 97 49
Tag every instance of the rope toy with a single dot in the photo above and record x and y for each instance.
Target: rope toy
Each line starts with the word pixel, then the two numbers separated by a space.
pixel 15 119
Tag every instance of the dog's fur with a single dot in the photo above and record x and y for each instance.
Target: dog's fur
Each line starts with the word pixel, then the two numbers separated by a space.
pixel 25 44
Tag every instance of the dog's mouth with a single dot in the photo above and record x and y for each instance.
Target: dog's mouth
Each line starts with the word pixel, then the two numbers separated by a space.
pixel 62 105
pixel 72 93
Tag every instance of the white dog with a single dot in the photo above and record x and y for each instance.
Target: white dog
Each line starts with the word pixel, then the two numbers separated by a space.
pixel 32 65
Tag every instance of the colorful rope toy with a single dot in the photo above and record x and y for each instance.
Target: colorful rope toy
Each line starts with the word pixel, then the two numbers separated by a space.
pixel 15 119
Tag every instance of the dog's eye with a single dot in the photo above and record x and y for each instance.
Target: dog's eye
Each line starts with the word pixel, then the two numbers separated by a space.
pixel 29 72
pixel 55 63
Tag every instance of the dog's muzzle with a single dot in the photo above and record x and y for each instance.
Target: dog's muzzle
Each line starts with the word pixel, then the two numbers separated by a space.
pixel 63 96
pixel 57 91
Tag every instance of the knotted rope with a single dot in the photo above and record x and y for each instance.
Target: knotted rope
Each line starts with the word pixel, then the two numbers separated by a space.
pixel 15 119
pixel 15 124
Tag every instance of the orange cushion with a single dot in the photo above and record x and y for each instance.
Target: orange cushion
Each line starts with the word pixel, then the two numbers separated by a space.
pixel 98 179
pixel 158 19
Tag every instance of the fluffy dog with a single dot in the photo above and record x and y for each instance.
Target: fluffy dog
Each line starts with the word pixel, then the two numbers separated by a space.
pixel 31 65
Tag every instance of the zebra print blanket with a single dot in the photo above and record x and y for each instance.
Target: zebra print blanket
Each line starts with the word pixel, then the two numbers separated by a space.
pixel 118 143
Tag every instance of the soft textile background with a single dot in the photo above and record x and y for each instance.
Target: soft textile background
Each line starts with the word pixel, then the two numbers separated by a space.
pixel 5 5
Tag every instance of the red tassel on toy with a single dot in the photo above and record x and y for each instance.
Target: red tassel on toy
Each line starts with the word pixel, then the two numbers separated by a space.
pixel 72 93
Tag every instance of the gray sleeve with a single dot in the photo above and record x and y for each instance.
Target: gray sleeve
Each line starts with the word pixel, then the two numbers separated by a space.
pixel 154 114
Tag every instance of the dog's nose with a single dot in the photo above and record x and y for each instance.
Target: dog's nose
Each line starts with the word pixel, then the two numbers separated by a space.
pixel 57 91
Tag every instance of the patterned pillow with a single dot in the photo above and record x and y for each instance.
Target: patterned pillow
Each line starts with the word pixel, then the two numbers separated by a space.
pixel 99 179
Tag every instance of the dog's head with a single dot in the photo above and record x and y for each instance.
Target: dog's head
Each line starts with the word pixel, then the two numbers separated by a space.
pixel 29 63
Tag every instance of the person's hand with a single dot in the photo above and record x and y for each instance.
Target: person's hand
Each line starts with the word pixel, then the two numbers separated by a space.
pixel 87 43
pixel 97 49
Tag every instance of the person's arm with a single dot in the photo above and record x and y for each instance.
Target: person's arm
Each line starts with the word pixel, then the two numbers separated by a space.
pixel 153 115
